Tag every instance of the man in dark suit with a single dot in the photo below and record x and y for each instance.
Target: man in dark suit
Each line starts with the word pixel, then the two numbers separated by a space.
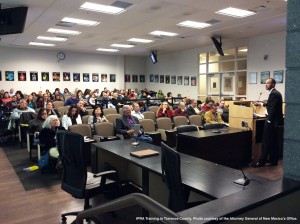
pixel 125 126
pixel 193 109
pixel 274 119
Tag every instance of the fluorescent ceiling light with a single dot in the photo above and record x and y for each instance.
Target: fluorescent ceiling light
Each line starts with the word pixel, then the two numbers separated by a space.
pixel 122 45
pixel 243 50
pixel 193 24
pixel 51 38
pixel 102 8
pixel 107 49
pixel 61 31
pixel 140 40
pixel 41 44
pixel 163 33
pixel 234 12
pixel 80 21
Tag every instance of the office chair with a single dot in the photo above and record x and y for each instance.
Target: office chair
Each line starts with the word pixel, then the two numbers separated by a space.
pixel 180 120
pixel 195 120
pixel 58 104
pixel 83 129
pixel 171 173
pixel 149 128
pixel 113 117
pixel 212 126
pixel 75 178
pixel 150 115
pixel 85 119
pixel 105 131
pixel 187 128
pixel 107 111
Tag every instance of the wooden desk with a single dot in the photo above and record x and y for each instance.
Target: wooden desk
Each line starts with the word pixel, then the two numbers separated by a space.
pixel 209 179
pixel 231 147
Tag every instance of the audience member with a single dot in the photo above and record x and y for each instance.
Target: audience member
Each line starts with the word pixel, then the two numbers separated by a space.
pixel 6 98
pixel 212 116
pixel 164 111
pixel 181 110
pixel 136 112
pixel 193 109
pixel 35 125
pixel 30 102
pixel 160 94
pixel 223 111
pixel 51 110
pixel 206 106
pixel 16 113
pixel 97 116
pixel 72 100
pixel 82 110
pixel 72 117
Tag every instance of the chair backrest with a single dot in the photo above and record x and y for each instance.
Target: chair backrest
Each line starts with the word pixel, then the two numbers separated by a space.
pixel 153 108
pixel 104 129
pixel 63 110
pixel 180 120
pixel 108 111
pixel 150 115
pixel 121 111
pixel 148 125
pixel 90 111
pixel 113 117
pixel 212 126
pixel 164 123
pixel 25 117
pixel 58 104
pixel 170 165
pixel 74 169
pixel 85 119
pixel 187 128
pixel 82 129
pixel 195 120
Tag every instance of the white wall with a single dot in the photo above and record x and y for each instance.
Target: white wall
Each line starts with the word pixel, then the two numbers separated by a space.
pixel 19 59
pixel 136 66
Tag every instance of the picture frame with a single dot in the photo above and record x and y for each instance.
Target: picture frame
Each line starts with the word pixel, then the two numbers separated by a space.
pixel 45 76
pixel 278 76
pixel 134 78
pixel 264 76
pixel 151 78
pixel 95 77
pixel 56 76
pixel 21 76
pixel 173 79
pixel 127 78
pixel 179 80
pixel 103 77
pixel 33 76
pixel 112 77
pixel 161 78
pixel 142 78
pixel 86 77
pixel 9 76
pixel 76 77
pixel 167 79
pixel 66 76
pixel 252 78
pixel 193 81
pixel 186 80
pixel 156 78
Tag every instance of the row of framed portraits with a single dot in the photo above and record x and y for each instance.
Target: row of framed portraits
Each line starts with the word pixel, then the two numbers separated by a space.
pixel 134 78
pixel 277 75
pixel 57 76
pixel 173 79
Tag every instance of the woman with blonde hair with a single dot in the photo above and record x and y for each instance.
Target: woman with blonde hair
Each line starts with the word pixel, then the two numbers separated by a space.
pixel 164 110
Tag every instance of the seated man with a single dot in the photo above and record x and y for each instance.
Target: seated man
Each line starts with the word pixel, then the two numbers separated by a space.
pixel 193 109
pixel 212 116
pixel 136 111
pixel 125 124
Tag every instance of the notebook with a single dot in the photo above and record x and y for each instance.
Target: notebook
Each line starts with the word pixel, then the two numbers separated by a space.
pixel 144 153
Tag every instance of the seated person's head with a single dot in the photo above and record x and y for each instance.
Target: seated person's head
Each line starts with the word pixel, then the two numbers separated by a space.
pixel 208 103
pixel 73 111
pixel 136 107
pixel 181 105
pixel 23 105
pixel 164 105
pixel 80 104
pixel 213 107
pixel 51 122
pixel 126 110
pixel 193 103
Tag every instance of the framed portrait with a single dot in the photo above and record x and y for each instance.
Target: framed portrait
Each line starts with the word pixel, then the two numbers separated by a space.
pixel 112 77
pixel 179 80
pixel 127 78
pixel 161 78
pixel 86 77
pixel 9 76
pixel 264 76
pixel 66 76
pixel 103 77
pixel 278 76
pixel 45 76
pixel 134 78
pixel 228 84
pixel 156 78
pixel 173 79
pixel 167 79
pixel 252 77
pixel 193 81
pixel 21 76
pixel 33 76
pixel 76 77
pixel 186 80
pixel 151 78
pixel 95 77
pixel 56 76
pixel 142 78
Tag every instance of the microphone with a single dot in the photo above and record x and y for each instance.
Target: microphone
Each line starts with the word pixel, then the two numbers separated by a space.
pixel 259 96
pixel 242 181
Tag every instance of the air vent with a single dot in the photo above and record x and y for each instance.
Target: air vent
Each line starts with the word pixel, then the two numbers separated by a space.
pixel 258 9
pixel 65 24
pixel 123 5
pixel 212 21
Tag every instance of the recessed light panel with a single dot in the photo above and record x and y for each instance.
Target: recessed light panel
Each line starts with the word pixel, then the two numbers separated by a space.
pixel 107 49
pixel 41 44
pixel 102 8
pixel 139 40
pixel 51 38
pixel 234 12
pixel 61 31
pixel 122 45
pixel 193 24
pixel 163 33
pixel 80 21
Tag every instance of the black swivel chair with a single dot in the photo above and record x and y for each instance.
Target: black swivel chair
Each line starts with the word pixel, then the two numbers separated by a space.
pixel 187 128
pixel 75 178
pixel 178 194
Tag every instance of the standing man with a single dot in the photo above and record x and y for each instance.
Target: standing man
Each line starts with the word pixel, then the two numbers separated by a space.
pixel 274 119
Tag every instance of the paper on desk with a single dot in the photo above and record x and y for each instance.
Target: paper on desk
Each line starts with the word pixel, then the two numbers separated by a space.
pixel 258 115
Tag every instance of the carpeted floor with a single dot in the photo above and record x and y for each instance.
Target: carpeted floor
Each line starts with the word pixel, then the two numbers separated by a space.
pixel 19 159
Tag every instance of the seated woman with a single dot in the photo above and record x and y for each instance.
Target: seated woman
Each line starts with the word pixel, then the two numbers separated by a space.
pixel 50 109
pixel 181 110
pixel 164 111
pixel 72 117
pixel 16 113
pixel 30 102
pixel 48 136
pixel 35 125
pixel 97 117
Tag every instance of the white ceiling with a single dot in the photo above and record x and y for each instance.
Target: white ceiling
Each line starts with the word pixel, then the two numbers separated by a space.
pixel 144 17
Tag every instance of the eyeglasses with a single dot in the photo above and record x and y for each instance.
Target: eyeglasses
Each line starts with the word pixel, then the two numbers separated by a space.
pixel 44 113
